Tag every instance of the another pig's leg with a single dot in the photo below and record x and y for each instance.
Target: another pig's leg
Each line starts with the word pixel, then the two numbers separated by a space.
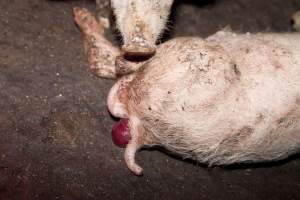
pixel 101 53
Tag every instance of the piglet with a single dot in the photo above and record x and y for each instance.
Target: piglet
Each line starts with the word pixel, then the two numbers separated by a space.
pixel 229 98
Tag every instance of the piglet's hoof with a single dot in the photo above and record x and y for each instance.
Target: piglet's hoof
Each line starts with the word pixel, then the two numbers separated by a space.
pixel 121 133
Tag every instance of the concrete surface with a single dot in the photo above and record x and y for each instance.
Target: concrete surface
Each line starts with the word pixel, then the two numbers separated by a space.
pixel 55 129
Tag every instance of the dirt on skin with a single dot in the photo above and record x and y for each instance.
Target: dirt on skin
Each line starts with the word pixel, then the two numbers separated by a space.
pixel 55 129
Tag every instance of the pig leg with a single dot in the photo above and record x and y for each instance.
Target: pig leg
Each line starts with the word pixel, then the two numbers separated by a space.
pixel 101 53
pixel 103 58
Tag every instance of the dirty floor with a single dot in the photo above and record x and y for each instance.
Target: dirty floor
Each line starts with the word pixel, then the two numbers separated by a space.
pixel 55 129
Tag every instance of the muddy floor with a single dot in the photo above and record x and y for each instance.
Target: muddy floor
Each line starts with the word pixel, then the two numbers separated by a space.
pixel 55 129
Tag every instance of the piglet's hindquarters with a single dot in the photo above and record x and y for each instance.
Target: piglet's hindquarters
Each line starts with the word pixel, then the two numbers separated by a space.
pixel 227 99
pixel 221 100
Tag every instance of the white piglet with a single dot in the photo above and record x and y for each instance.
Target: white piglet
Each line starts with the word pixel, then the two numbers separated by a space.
pixel 229 98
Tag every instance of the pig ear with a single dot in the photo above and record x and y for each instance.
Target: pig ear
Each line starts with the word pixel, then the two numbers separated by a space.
pixel 133 146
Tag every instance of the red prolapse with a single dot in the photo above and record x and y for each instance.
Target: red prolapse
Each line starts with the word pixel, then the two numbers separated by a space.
pixel 121 133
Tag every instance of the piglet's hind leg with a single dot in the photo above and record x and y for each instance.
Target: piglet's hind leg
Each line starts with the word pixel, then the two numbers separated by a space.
pixel 101 53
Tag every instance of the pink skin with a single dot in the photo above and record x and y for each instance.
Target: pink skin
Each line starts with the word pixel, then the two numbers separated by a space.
pixel 225 99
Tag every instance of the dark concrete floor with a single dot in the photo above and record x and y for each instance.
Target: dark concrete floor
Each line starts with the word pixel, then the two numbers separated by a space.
pixel 55 129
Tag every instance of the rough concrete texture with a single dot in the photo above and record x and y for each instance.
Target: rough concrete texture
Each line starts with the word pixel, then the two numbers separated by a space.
pixel 55 129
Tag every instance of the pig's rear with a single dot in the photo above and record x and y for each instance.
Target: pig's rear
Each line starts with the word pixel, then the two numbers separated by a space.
pixel 221 101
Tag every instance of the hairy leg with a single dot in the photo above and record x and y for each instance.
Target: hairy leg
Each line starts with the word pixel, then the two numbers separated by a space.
pixel 101 53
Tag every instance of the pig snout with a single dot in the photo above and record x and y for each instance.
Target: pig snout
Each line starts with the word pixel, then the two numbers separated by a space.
pixel 140 23
pixel 138 41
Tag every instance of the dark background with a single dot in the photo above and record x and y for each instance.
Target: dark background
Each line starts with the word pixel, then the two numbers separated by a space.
pixel 55 129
